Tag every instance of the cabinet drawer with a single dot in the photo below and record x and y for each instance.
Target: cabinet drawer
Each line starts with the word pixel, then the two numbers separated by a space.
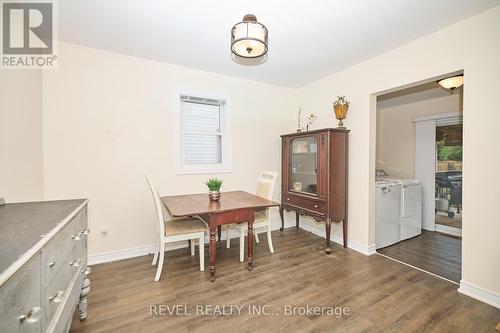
pixel 308 204
pixel 56 292
pixel 20 296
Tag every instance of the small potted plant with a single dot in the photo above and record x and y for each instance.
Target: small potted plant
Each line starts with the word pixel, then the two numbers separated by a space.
pixel 214 185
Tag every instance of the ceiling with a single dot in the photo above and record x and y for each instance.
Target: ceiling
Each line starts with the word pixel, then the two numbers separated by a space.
pixel 308 39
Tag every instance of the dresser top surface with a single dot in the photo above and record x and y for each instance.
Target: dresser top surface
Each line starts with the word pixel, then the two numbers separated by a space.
pixel 25 227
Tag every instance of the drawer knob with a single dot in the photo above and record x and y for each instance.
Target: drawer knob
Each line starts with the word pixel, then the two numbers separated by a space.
pixel 76 263
pixel 315 206
pixel 57 298
pixel 86 271
pixel 32 316
pixel 287 199
pixel 52 264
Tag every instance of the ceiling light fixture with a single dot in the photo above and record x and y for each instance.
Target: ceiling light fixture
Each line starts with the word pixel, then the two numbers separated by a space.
pixel 452 83
pixel 249 38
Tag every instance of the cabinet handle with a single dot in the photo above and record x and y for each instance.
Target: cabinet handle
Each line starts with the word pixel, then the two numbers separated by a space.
pixel 85 231
pixel 52 264
pixel 32 316
pixel 57 298
pixel 77 236
pixel 76 263
pixel 315 206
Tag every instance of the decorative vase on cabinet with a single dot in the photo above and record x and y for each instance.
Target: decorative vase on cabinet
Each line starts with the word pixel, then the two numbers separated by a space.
pixel 314 171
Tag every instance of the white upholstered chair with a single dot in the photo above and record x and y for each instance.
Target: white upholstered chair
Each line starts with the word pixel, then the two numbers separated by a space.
pixel 174 230
pixel 265 188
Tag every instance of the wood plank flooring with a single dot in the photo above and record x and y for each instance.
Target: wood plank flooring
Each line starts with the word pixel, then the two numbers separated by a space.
pixel 434 252
pixel 382 295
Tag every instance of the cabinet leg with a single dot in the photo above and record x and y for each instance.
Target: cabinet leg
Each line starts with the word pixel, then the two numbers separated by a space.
pixel 282 219
pixel 344 231
pixel 82 305
pixel 328 225
pixel 297 218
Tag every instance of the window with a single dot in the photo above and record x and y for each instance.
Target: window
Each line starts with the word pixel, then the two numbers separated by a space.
pixel 204 131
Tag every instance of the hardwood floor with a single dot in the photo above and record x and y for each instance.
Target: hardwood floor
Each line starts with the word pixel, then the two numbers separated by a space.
pixel 382 295
pixel 434 252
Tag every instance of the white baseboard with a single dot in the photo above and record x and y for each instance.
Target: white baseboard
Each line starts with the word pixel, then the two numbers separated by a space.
pixel 448 230
pixel 133 252
pixel 479 293
pixel 319 230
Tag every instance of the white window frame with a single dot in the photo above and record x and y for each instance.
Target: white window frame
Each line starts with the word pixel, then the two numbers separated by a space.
pixel 225 133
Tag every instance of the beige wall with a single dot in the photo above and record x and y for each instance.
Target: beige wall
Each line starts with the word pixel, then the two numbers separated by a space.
pixel 395 129
pixel 471 45
pixel 109 119
pixel 20 135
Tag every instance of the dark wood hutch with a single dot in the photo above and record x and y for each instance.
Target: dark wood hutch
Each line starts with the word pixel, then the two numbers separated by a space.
pixel 314 177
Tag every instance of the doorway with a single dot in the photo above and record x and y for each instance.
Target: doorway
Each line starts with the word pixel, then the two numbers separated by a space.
pixel 418 178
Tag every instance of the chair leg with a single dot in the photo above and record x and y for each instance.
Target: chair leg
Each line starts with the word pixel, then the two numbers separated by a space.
pixel 201 250
pixel 160 262
pixel 242 245
pixel 228 239
pixel 269 239
pixel 256 236
pixel 155 256
pixel 192 246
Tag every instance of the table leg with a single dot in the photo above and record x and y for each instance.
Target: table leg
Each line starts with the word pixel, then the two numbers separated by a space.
pixel 328 225
pixel 297 219
pixel 212 254
pixel 250 243
pixel 282 218
pixel 219 232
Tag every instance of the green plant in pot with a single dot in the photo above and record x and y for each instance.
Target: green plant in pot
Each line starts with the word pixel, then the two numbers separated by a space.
pixel 214 185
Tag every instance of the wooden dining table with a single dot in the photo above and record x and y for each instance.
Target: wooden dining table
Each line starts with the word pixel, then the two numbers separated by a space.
pixel 232 207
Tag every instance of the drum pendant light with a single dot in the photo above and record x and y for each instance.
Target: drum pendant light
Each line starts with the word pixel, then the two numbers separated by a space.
pixel 249 38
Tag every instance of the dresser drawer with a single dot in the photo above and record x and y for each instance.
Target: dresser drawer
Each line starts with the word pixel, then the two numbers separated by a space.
pixel 20 304
pixel 55 253
pixel 307 204
pixel 57 290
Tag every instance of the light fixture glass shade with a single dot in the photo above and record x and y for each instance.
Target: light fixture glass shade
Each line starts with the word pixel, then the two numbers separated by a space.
pixel 452 83
pixel 249 38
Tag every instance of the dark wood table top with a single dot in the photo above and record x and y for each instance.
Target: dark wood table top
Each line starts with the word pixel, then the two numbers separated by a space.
pixel 200 204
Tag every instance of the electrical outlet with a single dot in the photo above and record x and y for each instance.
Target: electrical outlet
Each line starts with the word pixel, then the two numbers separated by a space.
pixel 104 232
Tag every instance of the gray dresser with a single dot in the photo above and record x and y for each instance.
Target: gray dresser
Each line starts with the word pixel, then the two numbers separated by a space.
pixel 43 265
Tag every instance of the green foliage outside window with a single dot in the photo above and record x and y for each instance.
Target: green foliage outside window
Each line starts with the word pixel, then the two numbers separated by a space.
pixel 448 153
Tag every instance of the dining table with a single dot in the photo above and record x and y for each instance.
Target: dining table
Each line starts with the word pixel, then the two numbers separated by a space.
pixel 232 207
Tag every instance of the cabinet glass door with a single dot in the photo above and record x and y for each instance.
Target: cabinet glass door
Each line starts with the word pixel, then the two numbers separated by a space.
pixel 304 165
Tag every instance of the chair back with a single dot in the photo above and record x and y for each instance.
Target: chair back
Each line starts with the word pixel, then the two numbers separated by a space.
pixel 158 207
pixel 266 184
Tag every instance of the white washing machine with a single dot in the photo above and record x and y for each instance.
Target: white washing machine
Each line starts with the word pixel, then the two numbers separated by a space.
pixel 387 212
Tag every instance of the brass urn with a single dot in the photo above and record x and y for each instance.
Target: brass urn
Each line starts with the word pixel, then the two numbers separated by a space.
pixel 340 107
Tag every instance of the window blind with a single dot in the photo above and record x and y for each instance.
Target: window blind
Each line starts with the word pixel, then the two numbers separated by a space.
pixel 202 137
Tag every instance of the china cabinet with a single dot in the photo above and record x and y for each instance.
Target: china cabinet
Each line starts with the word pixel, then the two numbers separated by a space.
pixel 314 177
